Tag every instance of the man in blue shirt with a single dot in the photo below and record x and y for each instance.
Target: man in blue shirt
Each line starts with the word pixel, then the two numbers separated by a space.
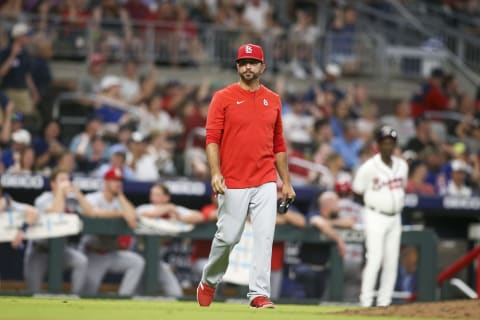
pixel 15 65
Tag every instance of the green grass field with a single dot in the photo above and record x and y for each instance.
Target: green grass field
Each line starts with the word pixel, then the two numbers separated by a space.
pixel 26 308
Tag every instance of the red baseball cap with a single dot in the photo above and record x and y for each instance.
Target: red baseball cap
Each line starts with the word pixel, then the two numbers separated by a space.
pixel 113 173
pixel 250 51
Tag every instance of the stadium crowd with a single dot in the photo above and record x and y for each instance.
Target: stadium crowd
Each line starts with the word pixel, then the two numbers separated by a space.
pixel 151 130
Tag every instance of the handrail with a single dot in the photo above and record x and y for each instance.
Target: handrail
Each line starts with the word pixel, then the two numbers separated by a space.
pixel 73 96
pixel 426 31
pixel 458 265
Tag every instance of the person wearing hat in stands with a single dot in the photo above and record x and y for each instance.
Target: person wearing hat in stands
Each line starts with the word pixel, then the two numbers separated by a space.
pixel 103 252
pixel 140 161
pixel 457 186
pixel 15 71
pixel 89 83
pixel 21 139
pixel 245 149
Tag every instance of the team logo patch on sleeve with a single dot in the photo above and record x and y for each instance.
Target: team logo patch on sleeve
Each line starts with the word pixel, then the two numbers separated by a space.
pixel 265 102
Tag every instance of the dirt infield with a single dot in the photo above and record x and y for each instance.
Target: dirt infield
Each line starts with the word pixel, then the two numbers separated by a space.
pixel 456 309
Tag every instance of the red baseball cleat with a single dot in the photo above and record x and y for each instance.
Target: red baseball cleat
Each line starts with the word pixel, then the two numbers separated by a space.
pixel 261 302
pixel 205 294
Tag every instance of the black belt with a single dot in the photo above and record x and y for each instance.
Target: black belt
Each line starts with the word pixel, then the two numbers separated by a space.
pixel 382 212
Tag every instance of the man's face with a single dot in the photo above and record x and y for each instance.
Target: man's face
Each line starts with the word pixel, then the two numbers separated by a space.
pixel 249 69
pixel 158 196
pixel 386 146
pixel 61 179
pixel 114 186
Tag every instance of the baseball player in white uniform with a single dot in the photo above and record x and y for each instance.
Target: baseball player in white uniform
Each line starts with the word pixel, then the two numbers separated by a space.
pixel 103 251
pixel 64 197
pixel 379 184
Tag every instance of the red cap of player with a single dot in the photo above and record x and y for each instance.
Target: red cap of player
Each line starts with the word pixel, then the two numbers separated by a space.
pixel 113 173
pixel 250 51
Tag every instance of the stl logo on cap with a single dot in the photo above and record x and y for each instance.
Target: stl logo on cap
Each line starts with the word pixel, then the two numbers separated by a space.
pixel 250 51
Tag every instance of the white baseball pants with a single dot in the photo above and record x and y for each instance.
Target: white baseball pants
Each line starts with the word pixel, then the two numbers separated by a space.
pixel 382 240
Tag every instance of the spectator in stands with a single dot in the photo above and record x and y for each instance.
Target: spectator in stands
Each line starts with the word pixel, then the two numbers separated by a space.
pixel 103 251
pixel 11 8
pixel 435 159
pixel 16 72
pixel 25 164
pixel 255 15
pixel 21 140
pixel 64 197
pixel 66 161
pixel 341 115
pixel 348 145
pixel 335 171
pixel 431 97
pixel 423 137
pixel 342 39
pixel 140 161
pixel 89 83
pixel 49 145
pixel 367 122
pixel 138 10
pixel 298 124
pixel 124 135
pixel 161 206
pixel 313 272
pixel 7 204
pixel 322 140
pixel 302 36
pixel 117 160
pixel 163 151
pixel 81 144
pixel 114 29
pixel 130 82
pixel 416 180
pixel 110 108
pixel 402 122
pixel 96 158
pixel 457 184
pixel 153 117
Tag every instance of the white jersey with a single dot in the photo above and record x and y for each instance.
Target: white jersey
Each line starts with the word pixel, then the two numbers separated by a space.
pixel 101 242
pixel 383 187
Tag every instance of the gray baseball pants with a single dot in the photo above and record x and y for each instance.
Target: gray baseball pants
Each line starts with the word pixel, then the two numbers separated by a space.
pixel 129 263
pixel 36 266
pixel 233 206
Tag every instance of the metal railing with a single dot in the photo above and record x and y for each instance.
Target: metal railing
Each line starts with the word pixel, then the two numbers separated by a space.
pixel 403 29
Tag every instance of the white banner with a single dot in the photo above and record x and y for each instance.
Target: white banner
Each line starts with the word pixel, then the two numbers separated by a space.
pixel 50 225
pixel 240 260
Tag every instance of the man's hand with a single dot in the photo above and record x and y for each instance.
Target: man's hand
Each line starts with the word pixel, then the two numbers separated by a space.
pixel 18 240
pixel 218 184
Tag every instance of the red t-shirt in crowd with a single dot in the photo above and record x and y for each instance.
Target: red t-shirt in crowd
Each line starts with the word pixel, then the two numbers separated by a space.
pixel 247 126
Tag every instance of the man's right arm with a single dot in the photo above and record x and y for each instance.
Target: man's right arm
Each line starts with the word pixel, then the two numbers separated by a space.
pixel 213 156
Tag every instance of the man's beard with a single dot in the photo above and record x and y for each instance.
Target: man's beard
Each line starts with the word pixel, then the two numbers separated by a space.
pixel 251 76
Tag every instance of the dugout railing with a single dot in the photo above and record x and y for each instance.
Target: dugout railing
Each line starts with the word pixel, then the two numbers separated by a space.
pixel 424 239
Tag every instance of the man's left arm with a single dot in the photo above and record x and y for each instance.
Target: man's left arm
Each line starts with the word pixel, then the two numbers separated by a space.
pixel 281 164
pixel 128 212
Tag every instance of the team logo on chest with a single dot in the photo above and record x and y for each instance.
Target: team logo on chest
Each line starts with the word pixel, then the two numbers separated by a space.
pixel 265 102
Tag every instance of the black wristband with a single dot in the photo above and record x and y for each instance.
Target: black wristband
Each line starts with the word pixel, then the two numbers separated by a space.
pixel 24 227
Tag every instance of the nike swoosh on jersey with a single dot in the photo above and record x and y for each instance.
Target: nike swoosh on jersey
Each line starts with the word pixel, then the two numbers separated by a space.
pixel 240 102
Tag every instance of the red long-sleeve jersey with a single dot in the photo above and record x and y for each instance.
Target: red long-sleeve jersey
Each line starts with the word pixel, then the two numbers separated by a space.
pixel 247 126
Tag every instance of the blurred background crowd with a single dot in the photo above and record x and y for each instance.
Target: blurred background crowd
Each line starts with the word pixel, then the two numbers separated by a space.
pixel 340 67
